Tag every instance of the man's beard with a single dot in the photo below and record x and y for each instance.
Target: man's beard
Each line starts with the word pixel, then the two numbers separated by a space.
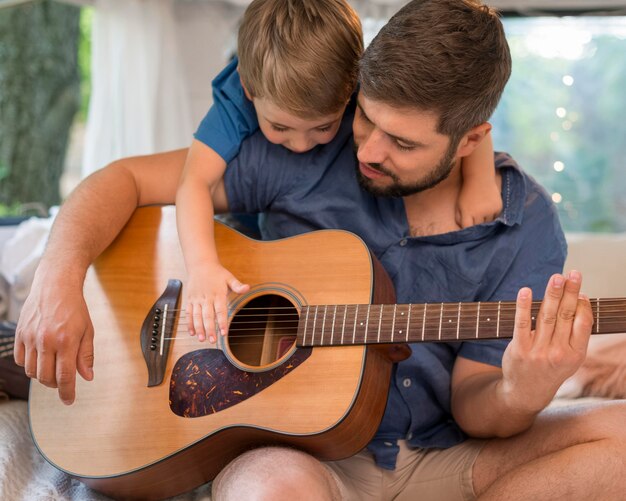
pixel 397 188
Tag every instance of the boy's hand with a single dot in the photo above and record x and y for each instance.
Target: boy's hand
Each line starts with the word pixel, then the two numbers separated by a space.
pixel 478 204
pixel 207 300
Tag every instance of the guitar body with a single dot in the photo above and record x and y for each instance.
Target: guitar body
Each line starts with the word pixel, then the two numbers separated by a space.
pixel 123 438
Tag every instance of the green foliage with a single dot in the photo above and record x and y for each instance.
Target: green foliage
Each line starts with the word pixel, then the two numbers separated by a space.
pixel 9 210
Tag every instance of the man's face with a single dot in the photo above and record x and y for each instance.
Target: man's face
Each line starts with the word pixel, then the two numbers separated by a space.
pixel 399 150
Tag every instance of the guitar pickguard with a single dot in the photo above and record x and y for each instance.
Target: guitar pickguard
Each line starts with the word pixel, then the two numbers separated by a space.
pixel 205 382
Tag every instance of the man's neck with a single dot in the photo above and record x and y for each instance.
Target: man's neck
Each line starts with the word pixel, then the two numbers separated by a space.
pixel 433 211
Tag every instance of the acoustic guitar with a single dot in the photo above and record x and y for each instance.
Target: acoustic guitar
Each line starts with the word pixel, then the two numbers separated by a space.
pixel 306 362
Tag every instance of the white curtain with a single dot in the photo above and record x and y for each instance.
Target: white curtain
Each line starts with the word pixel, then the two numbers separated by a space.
pixel 139 102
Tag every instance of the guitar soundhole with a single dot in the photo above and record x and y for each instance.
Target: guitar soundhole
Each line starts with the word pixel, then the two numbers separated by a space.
pixel 263 330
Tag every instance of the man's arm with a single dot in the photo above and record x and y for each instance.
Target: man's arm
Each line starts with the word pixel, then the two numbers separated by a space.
pixel 489 402
pixel 54 336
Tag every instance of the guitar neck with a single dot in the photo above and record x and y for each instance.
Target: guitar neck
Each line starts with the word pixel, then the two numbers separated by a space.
pixel 356 324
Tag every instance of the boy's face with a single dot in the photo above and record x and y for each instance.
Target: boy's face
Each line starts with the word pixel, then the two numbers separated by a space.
pixel 295 133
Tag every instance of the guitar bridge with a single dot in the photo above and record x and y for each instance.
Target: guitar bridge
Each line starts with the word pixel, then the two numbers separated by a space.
pixel 156 332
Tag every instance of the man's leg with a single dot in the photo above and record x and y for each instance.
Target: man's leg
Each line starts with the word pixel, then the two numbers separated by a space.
pixel 276 474
pixel 574 452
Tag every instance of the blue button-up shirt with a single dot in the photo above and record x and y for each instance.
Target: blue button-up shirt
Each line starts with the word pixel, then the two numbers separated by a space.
pixel 489 262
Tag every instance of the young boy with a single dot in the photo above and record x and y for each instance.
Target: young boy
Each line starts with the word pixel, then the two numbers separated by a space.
pixel 297 69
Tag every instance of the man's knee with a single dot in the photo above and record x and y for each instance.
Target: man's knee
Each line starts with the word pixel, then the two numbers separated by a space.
pixel 275 473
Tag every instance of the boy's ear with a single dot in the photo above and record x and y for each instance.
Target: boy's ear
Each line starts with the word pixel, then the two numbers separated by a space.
pixel 472 139
pixel 245 89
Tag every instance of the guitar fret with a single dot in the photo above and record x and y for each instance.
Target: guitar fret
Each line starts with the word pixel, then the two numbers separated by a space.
pixel 380 321
pixel 343 327
pixel 393 323
pixel 477 319
pixel 332 332
pixel 458 321
pixel 323 325
pixel 498 322
pixel 424 320
pixel 440 320
pixel 367 322
pixel 356 315
pixel 306 322
pixel 408 323
pixel 314 323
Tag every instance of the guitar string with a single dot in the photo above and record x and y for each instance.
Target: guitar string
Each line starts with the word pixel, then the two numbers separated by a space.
pixel 505 305
pixel 431 322
pixel 505 327
pixel 447 313
pixel 293 318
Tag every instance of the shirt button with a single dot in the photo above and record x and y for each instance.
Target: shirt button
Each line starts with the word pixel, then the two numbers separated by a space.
pixel 403 242
pixel 388 444
pixel 406 383
pixel 409 436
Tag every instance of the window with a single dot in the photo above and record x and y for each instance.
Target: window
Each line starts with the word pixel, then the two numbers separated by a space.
pixel 562 115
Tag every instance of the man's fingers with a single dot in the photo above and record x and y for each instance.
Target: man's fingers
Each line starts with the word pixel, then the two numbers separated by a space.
pixel 66 375
pixel 46 368
pixel 583 324
pixel 30 362
pixel 548 311
pixel 523 323
pixel 66 382
pixel 567 308
pixel 18 350
pixel 84 361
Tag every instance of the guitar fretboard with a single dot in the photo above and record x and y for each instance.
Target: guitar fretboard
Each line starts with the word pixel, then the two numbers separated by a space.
pixel 336 325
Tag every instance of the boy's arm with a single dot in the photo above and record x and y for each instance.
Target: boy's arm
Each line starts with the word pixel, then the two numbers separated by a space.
pixel 200 195
pixel 480 200
pixel 54 336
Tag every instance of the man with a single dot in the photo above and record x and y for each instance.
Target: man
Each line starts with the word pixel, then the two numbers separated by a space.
pixel 429 82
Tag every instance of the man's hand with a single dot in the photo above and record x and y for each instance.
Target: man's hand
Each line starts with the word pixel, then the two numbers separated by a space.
pixel 536 362
pixel 54 336
pixel 207 300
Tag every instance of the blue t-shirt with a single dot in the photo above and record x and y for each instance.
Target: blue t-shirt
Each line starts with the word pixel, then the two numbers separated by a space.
pixel 232 117
pixel 524 246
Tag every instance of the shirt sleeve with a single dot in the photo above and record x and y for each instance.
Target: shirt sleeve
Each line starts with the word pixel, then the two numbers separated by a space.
pixel 542 253
pixel 231 119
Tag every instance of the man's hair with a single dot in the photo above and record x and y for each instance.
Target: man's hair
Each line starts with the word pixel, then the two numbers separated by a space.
pixel 449 57
pixel 302 55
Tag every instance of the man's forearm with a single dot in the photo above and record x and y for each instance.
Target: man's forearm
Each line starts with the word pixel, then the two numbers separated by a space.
pixel 101 205
pixel 481 408
pixel 89 220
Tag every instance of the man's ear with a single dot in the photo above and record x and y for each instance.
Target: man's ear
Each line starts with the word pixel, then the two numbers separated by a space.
pixel 472 139
pixel 245 89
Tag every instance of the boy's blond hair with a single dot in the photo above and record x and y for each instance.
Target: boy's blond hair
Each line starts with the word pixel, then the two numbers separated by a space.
pixel 302 55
